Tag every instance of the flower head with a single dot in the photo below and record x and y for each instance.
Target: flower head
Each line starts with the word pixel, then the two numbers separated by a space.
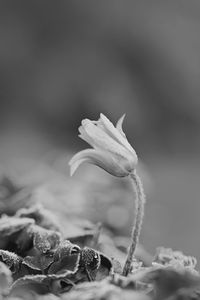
pixel 111 149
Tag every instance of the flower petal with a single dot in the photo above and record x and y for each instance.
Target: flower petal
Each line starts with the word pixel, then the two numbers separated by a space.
pixel 116 133
pixel 100 140
pixel 100 159
pixel 79 158
pixel 119 125
pixel 110 129
pixel 84 136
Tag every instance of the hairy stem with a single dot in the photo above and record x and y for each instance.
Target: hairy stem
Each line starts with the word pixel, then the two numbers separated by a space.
pixel 139 214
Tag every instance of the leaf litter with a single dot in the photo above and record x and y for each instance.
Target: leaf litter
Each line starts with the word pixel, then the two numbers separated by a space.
pixel 39 261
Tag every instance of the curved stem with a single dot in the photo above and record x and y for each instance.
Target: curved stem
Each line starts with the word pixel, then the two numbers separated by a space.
pixel 139 214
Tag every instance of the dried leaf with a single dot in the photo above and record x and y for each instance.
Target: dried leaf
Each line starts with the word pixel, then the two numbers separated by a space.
pixel 66 248
pixel 167 281
pixel 12 225
pixel 45 240
pixel 89 265
pixel 34 238
pixel 96 265
pixel 42 216
pixel 24 240
pixel 5 278
pixel 13 196
pixel 105 268
pixel 42 284
pixel 11 260
pixel 90 262
pixel 15 264
pixel 168 257
pixel 89 237
pixel 117 268
pixel 40 262
pixel 66 257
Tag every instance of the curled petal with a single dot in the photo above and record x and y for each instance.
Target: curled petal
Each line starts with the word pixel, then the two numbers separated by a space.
pixel 110 129
pixel 77 160
pixel 116 133
pixel 100 140
pixel 99 158
pixel 119 125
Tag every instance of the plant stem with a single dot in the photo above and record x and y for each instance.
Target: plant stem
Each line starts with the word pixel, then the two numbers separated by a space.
pixel 139 214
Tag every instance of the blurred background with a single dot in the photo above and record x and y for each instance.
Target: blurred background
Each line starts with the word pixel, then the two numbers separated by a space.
pixel 62 61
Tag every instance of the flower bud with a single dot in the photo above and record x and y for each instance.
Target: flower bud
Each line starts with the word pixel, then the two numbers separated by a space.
pixel 111 149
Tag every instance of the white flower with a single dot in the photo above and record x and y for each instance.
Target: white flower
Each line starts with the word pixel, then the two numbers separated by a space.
pixel 111 149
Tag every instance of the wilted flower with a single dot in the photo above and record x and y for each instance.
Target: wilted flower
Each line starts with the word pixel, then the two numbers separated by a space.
pixel 111 149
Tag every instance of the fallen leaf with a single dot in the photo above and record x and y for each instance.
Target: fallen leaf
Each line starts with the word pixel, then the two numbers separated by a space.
pixel 45 240
pixel 176 259
pixel 66 257
pixel 40 262
pixel 12 225
pixel 12 260
pixel 168 281
pixel 5 278
pixel 43 217
pixel 42 284
pixel 13 196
